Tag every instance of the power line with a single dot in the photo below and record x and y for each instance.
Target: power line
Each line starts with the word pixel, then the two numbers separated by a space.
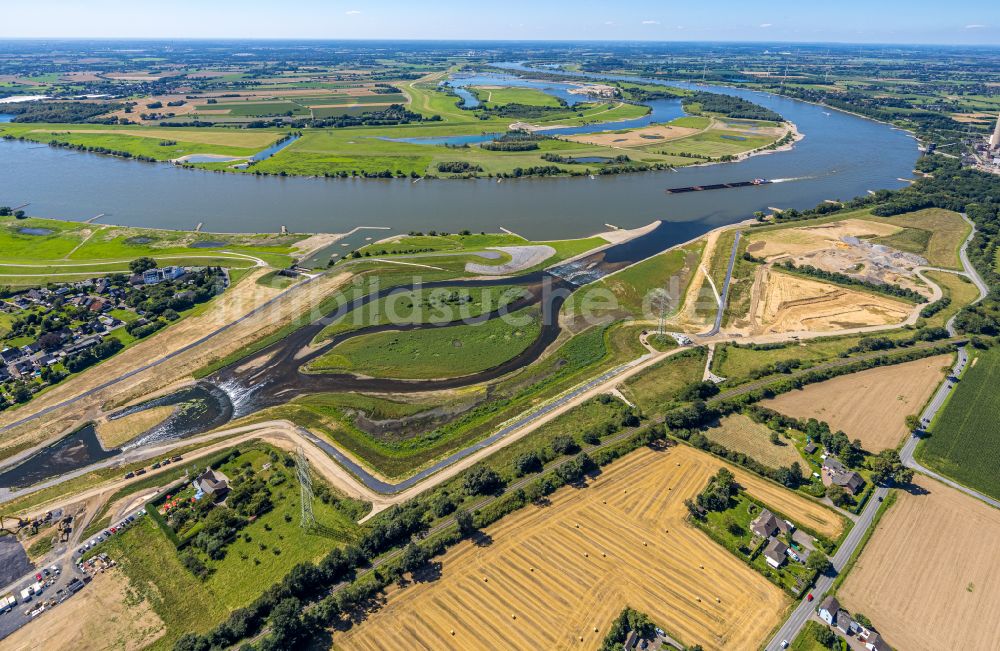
pixel 308 519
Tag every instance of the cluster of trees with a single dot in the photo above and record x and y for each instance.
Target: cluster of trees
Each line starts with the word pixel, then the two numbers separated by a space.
pixel 86 358
pixel 844 279
pixel 391 115
pixel 717 495
pixel 458 167
pixel 569 160
pixel 7 211
pixel 628 620
pixel 64 112
pixel 730 106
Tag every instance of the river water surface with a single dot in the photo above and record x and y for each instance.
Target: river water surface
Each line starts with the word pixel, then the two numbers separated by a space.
pixel 841 156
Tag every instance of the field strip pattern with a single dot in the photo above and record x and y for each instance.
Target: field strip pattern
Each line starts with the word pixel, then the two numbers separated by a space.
pixel 548 576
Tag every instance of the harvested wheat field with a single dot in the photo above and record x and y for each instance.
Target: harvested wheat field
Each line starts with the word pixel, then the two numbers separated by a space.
pixel 783 302
pixel 797 241
pixel 121 430
pixel 635 137
pixel 739 433
pixel 928 577
pixel 104 616
pixel 871 405
pixel 554 577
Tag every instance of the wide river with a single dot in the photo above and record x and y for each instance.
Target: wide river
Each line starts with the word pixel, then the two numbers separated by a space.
pixel 840 157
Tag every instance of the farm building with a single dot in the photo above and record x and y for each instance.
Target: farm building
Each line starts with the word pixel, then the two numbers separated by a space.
pixel 836 473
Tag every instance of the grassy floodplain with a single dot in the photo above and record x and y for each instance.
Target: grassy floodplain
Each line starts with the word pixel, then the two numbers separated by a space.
pixel 434 353
pixel 34 251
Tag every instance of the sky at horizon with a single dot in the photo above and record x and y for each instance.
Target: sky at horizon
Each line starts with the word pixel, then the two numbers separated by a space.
pixel 960 22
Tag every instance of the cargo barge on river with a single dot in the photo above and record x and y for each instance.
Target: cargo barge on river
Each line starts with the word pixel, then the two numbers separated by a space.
pixel 718 186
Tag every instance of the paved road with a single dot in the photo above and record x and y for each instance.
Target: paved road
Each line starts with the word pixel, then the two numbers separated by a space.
pixel 946 388
pixel 725 287
pixel 793 625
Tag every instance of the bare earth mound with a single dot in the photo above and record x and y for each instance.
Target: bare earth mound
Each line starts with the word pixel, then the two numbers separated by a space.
pixel 554 577
pixel 871 405
pixel 928 577
pixel 521 258
pixel 785 303
pixel 635 137
pixel 797 241
pixel 102 616
pixel 739 433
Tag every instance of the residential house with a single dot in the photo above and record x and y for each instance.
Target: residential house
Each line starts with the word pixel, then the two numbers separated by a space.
pixel 158 275
pixel 212 483
pixel 775 552
pixel 828 609
pixel 876 643
pixel 767 524
pixel 810 447
pixel 835 472
pixel 11 355
pixel 846 624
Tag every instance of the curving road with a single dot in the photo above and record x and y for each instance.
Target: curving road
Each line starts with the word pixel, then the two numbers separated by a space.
pixel 802 612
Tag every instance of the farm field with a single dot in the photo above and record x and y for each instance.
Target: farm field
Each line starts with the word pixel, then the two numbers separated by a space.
pixel 927 578
pixel 442 352
pixel 782 302
pixel 963 438
pixel 159 144
pixel 870 405
pixel 740 434
pixel 552 578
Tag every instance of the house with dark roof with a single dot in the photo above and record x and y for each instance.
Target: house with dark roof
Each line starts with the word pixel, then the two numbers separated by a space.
pixel 836 473
pixel 767 524
pixel 212 483
pixel 845 624
pixel 851 481
pixel 810 447
pixel 775 553
pixel 828 609
pixel 876 643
